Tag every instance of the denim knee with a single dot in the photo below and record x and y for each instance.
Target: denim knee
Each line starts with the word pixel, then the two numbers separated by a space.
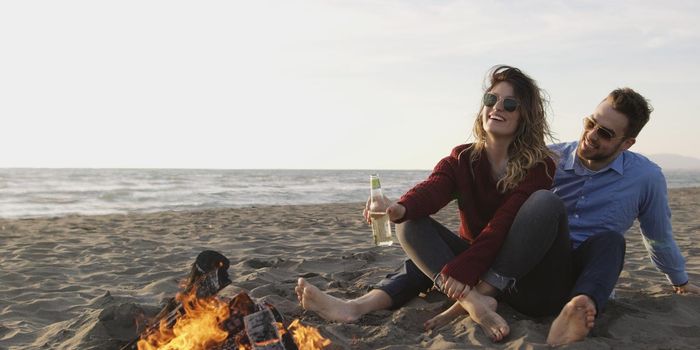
pixel 408 231
pixel 546 201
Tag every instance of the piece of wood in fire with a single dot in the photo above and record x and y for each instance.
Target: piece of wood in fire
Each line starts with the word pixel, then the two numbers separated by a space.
pixel 262 330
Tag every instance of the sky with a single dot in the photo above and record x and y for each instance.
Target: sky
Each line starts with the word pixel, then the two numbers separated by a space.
pixel 322 84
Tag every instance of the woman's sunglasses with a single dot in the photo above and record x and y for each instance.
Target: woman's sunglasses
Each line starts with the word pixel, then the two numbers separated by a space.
pixel 604 133
pixel 509 103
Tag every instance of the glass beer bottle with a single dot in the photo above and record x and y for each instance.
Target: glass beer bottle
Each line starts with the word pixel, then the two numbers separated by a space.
pixel 381 226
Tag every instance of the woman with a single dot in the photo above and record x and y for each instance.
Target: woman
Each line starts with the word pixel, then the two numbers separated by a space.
pixel 491 179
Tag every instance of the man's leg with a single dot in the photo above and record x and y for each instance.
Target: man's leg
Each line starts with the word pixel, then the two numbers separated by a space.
pixel 431 246
pixel 534 268
pixel 599 261
pixel 392 292
pixel 574 322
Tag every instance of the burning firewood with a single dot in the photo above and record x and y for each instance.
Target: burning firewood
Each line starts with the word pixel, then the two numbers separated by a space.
pixel 208 275
pixel 196 319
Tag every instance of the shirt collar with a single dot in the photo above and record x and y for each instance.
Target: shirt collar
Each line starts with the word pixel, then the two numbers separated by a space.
pixel 617 164
pixel 571 158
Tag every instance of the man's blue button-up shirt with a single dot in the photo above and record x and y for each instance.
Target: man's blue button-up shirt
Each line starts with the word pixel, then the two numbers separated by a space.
pixel 609 200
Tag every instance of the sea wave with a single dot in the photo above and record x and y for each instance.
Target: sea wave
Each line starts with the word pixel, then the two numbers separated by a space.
pixel 59 192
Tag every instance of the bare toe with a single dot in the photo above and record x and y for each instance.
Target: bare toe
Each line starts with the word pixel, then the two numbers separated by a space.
pixel 481 309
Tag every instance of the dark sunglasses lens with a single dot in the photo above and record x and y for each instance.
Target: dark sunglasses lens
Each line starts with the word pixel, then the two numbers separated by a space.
pixel 490 100
pixel 510 104
pixel 605 134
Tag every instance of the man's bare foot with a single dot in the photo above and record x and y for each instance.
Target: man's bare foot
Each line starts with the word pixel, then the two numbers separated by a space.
pixel 326 306
pixel 574 321
pixel 482 309
pixel 445 317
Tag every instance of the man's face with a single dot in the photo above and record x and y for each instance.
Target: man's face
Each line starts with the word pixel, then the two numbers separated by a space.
pixel 595 144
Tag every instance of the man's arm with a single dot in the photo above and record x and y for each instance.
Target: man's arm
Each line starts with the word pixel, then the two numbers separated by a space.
pixel 655 222
pixel 687 288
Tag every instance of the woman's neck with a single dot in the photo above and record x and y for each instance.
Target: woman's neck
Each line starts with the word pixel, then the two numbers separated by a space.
pixel 497 152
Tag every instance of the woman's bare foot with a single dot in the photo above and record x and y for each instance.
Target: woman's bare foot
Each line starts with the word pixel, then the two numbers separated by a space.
pixel 482 309
pixel 326 306
pixel 574 321
pixel 444 317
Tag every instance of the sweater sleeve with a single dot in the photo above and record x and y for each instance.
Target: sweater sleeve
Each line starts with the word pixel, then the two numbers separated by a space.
pixel 431 195
pixel 471 264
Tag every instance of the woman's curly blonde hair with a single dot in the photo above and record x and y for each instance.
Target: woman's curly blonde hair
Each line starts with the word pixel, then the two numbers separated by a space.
pixel 528 147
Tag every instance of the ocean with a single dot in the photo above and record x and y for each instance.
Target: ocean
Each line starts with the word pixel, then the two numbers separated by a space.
pixel 59 192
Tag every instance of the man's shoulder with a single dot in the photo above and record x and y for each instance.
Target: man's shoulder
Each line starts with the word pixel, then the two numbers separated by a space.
pixel 563 150
pixel 642 173
pixel 563 147
pixel 640 164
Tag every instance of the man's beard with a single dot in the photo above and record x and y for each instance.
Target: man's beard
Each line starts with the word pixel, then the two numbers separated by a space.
pixel 595 155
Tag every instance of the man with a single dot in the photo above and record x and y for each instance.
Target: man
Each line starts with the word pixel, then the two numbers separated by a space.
pixel 605 188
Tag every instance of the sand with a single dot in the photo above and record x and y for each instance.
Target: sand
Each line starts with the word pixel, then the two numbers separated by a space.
pixel 75 282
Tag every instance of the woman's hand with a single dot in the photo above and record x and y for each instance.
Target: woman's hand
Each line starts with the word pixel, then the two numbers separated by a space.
pixel 395 211
pixel 453 288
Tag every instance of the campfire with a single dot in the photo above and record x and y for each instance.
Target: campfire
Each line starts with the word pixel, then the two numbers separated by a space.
pixel 197 319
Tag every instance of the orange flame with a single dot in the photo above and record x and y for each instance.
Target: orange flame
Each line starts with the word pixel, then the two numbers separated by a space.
pixel 197 329
pixel 306 337
pixel 200 329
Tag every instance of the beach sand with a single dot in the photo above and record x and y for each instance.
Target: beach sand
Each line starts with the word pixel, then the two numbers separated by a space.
pixel 75 282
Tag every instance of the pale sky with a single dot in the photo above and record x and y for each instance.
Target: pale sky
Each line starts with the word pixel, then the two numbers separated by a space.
pixel 321 84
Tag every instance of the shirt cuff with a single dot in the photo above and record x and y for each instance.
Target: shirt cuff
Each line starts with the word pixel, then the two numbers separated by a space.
pixel 677 278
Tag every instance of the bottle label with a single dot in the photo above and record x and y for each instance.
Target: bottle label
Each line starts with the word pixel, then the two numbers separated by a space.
pixel 374 182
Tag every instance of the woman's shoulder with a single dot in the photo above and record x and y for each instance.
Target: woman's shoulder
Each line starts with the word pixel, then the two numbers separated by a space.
pixel 547 164
pixel 461 150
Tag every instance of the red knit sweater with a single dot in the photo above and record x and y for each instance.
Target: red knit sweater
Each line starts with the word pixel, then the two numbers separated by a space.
pixel 485 214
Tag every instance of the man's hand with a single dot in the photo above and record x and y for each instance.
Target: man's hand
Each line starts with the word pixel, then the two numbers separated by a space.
pixel 688 288
pixel 453 288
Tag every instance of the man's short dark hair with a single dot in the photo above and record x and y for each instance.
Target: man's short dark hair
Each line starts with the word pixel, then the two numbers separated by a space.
pixel 634 106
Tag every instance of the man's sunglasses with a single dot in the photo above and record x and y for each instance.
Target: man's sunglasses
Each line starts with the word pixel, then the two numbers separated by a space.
pixel 604 133
pixel 509 103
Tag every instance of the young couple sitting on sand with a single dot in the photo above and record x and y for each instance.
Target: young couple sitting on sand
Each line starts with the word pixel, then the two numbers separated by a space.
pixel 541 227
